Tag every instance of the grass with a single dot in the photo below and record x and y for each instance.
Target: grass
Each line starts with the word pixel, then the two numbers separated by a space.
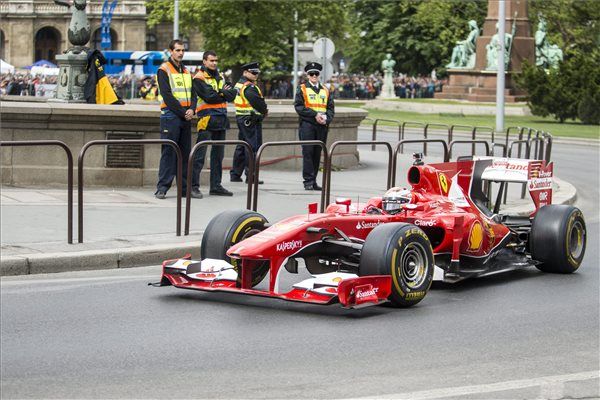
pixel 453 102
pixel 573 129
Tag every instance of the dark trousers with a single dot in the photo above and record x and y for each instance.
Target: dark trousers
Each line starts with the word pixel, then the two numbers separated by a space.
pixel 216 159
pixel 252 135
pixel 311 155
pixel 178 130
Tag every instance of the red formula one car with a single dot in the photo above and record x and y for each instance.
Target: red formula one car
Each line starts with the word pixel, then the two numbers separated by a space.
pixel 387 248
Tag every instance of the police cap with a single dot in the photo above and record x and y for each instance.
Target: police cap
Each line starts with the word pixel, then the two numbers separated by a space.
pixel 313 66
pixel 252 67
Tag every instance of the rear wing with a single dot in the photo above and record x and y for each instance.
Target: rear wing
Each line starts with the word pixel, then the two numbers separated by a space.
pixel 536 174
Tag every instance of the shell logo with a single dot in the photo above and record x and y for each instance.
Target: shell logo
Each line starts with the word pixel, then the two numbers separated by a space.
pixel 337 280
pixel 475 236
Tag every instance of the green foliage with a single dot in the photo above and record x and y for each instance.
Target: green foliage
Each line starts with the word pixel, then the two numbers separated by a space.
pixel 420 34
pixel 572 90
pixel 253 30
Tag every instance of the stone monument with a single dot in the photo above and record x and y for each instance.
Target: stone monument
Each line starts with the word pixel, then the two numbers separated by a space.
pixel 479 83
pixel 387 89
pixel 463 54
pixel 73 62
pixel 546 55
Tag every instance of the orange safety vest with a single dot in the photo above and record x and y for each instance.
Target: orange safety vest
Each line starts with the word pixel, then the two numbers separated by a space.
pixel 181 85
pixel 242 105
pixel 203 108
pixel 315 101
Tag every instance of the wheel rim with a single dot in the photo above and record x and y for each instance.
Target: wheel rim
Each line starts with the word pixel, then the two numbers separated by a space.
pixel 576 240
pixel 414 265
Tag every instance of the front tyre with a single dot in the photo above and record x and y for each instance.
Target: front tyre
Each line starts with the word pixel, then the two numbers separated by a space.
pixel 404 252
pixel 229 228
pixel 558 238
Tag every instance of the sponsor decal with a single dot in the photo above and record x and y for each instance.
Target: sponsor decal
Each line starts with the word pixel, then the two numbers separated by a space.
pixel 367 225
pixel 475 236
pixel 337 280
pixel 415 295
pixel 361 294
pixel 425 222
pixel 509 165
pixel 443 183
pixel 288 246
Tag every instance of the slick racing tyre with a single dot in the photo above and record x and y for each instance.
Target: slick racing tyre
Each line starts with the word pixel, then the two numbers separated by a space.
pixel 558 238
pixel 229 228
pixel 404 252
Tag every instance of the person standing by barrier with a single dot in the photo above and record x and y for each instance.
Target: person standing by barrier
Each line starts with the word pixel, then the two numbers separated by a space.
pixel 148 90
pixel 250 110
pixel 315 107
pixel 213 95
pixel 176 113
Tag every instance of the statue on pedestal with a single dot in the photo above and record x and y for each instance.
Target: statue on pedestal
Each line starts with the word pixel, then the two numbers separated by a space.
pixel 494 46
pixel 546 55
pixel 73 61
pixel 463 54
pixel 387 65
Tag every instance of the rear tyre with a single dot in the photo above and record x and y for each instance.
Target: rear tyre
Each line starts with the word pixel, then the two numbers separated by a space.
pixel 228 228
pixel 558 238
pixel 404 252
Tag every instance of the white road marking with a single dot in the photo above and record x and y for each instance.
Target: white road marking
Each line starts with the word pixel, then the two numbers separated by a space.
pixel 554 381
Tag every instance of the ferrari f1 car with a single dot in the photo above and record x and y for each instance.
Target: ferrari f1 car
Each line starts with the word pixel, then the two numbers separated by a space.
pixel 385 250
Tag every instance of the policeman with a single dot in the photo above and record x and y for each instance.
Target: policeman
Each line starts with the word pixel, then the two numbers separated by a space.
pixel 148 90
pixel 250 109
pixel 315 107
pixel 213 95
pixel 176 113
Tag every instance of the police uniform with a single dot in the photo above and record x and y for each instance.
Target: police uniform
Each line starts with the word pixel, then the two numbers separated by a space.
pixel 148 93
pixel 309 102
pixel 175 86
pixel 212 125
pixel 250 109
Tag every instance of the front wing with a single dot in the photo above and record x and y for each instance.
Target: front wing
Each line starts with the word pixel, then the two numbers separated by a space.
pixel 211 275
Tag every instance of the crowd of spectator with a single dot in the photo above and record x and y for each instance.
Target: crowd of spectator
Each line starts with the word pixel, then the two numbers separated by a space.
pixel 343 86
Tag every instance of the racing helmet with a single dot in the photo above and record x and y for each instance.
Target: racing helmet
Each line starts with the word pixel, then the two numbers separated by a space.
pixel 394 198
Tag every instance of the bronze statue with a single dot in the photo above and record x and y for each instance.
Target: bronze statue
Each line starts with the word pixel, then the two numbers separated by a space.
pixel 463 54
pixel 79 28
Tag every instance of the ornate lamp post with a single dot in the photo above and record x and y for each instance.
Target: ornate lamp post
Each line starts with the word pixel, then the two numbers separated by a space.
pixel 73 61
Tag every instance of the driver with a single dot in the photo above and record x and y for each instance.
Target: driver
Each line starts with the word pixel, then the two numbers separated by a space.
pixel 394 198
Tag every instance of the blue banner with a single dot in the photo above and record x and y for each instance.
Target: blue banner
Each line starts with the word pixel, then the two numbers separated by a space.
pixel 107 12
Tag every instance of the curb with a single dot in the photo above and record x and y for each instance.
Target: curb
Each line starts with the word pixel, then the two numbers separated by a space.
pixel 155 254
pixel 96 259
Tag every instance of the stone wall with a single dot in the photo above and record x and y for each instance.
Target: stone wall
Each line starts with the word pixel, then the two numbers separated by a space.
pixel 77 124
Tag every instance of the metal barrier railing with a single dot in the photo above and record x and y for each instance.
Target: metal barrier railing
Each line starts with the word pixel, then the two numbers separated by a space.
pixel 374 133
pixel 476 131
pixel 327 169
pixel 474 142
pixel 412 124
pixel 402 142
pixel 129 142
pixel 288 143
pixel 190 166
pixel 502 145
pixel 20 143
pixel 453 127
pixel 426 131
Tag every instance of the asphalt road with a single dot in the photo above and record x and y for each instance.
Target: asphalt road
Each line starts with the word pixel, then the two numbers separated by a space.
pixel 105 334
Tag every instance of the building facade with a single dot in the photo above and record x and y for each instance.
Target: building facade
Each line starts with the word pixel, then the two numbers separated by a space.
pixel 33 30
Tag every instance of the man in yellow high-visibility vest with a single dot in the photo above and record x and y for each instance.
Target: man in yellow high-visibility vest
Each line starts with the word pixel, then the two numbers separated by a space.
pixel 213 95
pixel 176 113
pixel 314 105
pixel 250 109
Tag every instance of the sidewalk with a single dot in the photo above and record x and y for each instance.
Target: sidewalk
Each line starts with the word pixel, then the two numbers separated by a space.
pixel 129 227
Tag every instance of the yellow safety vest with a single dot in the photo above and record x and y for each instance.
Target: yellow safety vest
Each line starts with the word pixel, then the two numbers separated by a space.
pixel 315 101
pixel 181 85
pixel 203 108
pixel 242 105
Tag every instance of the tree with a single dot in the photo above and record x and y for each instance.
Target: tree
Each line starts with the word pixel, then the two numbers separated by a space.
pixel 572 90
pixel 420 34
pixel 244 31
